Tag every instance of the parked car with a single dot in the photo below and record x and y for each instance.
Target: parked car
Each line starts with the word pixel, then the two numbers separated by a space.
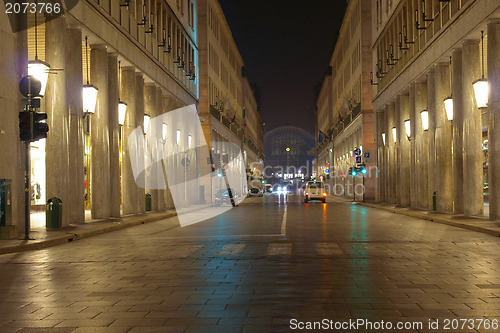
pixel 255 192
pixel 222 197
pixel 315 191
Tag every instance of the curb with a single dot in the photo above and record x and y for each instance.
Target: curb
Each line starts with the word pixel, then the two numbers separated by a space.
pixel 434 217
pixel 70 236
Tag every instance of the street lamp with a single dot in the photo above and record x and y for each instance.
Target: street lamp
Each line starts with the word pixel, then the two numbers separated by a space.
pixel 481 85
pixel 425 119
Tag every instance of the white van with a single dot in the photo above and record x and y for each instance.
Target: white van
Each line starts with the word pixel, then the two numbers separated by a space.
pixel 315 191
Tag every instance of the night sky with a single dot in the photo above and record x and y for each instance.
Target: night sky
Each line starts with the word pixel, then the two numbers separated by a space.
pixel 286 46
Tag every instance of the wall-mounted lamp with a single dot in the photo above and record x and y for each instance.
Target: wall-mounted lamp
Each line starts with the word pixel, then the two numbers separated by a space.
pixel 408 128
pixel 425 119
pixel 89 92
pixel 383 138
pixel 143 22
pixel 178 136
pixel 147 118
pixel 151 25
pixel 394 132
pixel 481 86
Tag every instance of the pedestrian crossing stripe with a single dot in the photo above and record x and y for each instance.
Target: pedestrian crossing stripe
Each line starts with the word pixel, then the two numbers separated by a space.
pixel 329 249
pixel 279 249
pixel 231 249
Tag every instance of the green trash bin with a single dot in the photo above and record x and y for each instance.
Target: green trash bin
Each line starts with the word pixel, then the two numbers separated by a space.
pixel 148 202
pixel 53 213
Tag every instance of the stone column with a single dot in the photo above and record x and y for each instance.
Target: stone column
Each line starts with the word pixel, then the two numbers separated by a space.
pixel 421 148
pixel 380 156
pixel 169 104
pixel 139 114
pixel 369 146
pixel 412 176
pixel 470 118
pixel 56 107
pixel 160 176
pixel 458 132
pixel 129 187
pixel 76 189
pixel 493 33
pixel 13 66
pixel 99 135
pixel 444 165
pixel 152 141
pixel 114 135
pixel 392 154
pixel 403 153
pixel 431 107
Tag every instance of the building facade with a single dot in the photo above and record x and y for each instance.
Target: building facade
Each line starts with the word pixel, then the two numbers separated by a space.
pixel 288 154
pixel 232 122
pixel 427 56
pixel 143 53
pixel 345 116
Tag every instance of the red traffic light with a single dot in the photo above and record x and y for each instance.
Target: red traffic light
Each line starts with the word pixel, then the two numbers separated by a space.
pixel 25 123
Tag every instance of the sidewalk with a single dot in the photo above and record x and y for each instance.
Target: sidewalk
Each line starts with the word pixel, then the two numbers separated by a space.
pixel 478 224
pixel 41 238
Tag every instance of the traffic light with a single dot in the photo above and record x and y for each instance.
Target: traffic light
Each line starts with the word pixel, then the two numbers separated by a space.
pixel 25 123
pixel 40 128
pixel 362 168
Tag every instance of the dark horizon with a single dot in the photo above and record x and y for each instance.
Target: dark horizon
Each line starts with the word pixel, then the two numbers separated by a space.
pixel 287 78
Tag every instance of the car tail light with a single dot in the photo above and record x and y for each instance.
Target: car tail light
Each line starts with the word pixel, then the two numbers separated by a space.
pixel 324 194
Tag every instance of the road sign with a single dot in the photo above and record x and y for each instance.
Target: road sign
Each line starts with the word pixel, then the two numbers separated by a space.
pixel 358 159
pixel 367 155
pixel 342 174
pixel 357 151
pixel 327 170
pixel 185 162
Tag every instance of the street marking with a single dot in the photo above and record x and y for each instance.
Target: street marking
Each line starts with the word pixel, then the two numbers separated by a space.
pixel 279 249
pixel 231 249
pixel 283 223
pixel 328 249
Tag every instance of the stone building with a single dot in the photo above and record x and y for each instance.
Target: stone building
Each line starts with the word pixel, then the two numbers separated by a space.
pixel 140 52
pixel 345 117
pixel 428 56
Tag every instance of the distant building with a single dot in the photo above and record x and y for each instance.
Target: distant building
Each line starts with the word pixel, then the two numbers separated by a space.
pixel 228 107
pixel 288 154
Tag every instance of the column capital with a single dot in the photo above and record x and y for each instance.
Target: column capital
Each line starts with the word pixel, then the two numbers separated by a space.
pixel 98 46
pixel 128 68
pixel 494 21
pixel 74 26
pixel 470 41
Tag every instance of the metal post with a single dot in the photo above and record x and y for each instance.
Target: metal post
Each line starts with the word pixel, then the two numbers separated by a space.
pixel 27 190
pixel 354 188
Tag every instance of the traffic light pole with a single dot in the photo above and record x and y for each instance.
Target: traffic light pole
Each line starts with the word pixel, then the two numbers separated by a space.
pixel 27 190
pixel 354 187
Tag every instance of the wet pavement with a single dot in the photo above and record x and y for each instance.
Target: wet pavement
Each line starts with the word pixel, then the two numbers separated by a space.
pixel 270 265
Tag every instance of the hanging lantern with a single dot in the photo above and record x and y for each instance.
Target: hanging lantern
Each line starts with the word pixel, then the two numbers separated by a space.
pixel 481 93
pixel 122 111
pixel 89 98
pixel 448 106
pixel 481 88
pixel 425 120
pixel 40 71
pixel 408 128
pixel 147 118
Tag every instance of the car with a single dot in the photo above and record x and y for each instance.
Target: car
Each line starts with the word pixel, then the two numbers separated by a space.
pixel 315 191
pixel 268 189
pixel 255 192
pixel 222 197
